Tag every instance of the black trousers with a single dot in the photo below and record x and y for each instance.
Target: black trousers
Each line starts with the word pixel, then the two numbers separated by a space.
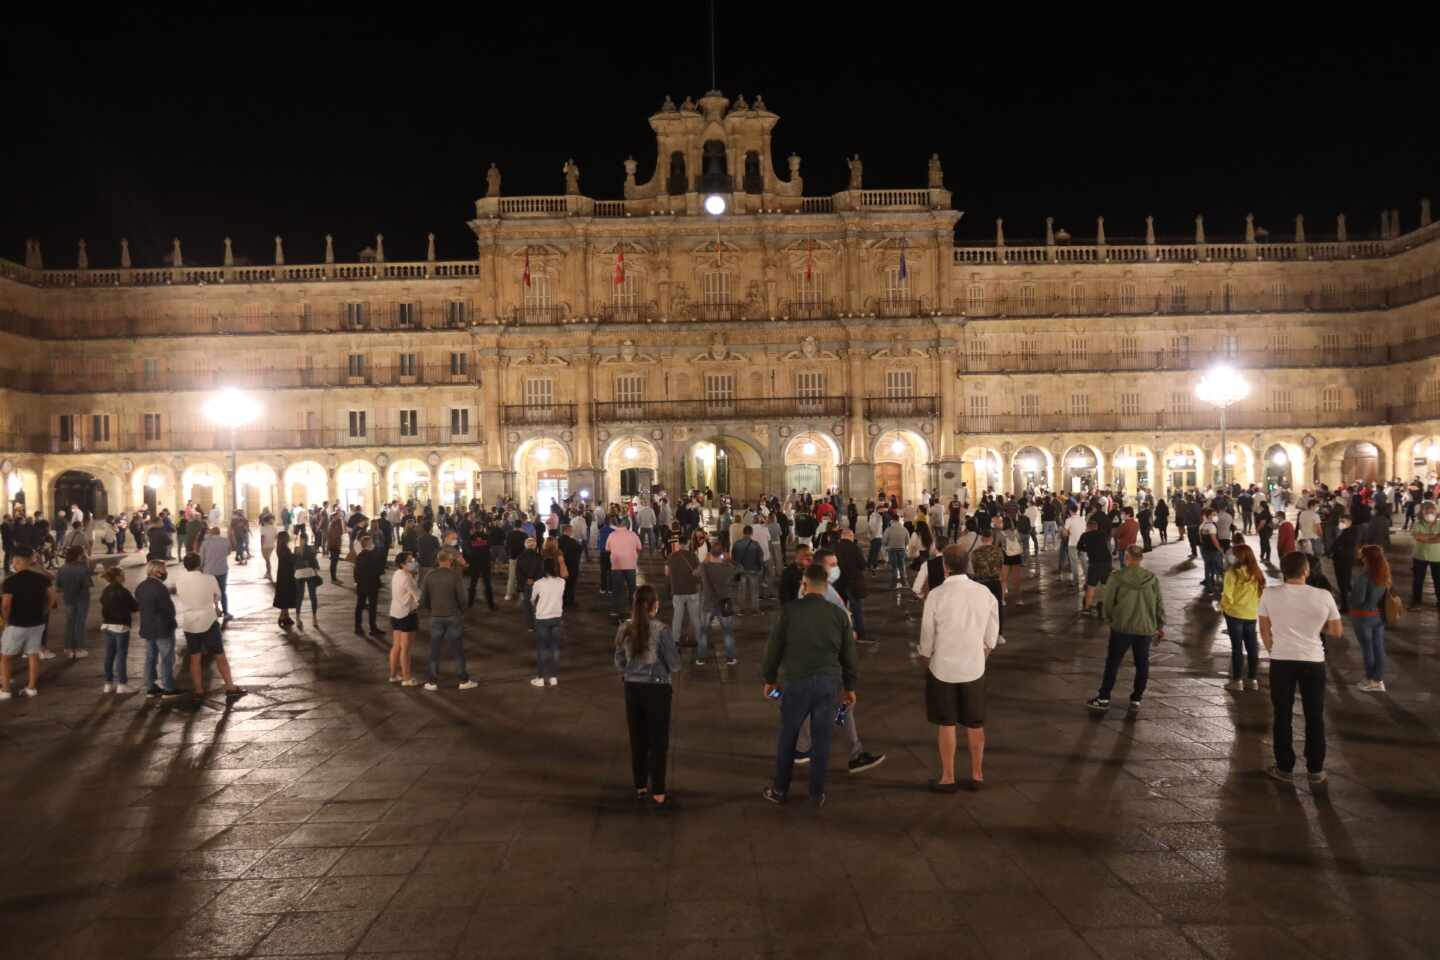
pixel 366 597
pixel 647 710
pixel 1342 583
pixel 334 565
pixel 1193 535
pixel 569 598
pixel 480 570
pixel 1418 569
pixel 1286 676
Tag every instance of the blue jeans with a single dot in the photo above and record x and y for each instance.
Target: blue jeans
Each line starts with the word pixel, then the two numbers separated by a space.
pixel 749 598
pixel 857 615
pixel 117 648
pixel 622 590
pixel 1120 643
pixel 1243 641
pixel 873 560
pixel 447 632
pixel 75 614
pixel 547 646
pixel 1370 631
pixel 224 597
pixel 727 628
pixel 684 602
pixel 809 698
pixel 1214 567
pixel 897 563
pixel 160 651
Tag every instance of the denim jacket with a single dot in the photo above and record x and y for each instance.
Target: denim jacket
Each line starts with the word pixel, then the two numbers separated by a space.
pixel 1364 594
pixel 660 658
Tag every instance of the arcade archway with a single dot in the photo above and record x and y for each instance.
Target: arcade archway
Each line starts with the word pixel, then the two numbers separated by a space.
pixel 980 471
pixel 409 480
pixel 1184 465
pixel 152 486
pixel 258 487
pixel 1239 464
pixel 542 473
pixel 305 484
pixel 459 482
pixel 78 488
pixel 632 468
pixel 811 461
pixel 1082 468
pixel 358 485
pixel 1032 468
pixel 1132 468
pixel 728 466
pixel 204 485
pixel 1349 461
pixel 902 464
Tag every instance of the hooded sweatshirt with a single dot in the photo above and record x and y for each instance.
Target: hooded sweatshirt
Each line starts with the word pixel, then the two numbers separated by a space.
pixel 1131 599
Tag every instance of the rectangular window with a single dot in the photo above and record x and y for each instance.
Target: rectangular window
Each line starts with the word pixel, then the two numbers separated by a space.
pixel 456 313
pixel 975 297
pixel 720 387
pixel 1279 341
pixel 979 406
pixel 459 421
pixel 357 424
pixel 810 292
pixel 1077 298
pixel 1277 294
pixel 1364 398
pixel 1230 345
pixel 1329 295
pixel 1180 345
pixel 537 295
pixel 1028 347
pixel 100 428
pixel 67 428
pixel 407 315
pixel 1027 298
pixel 1079 348
pixel 1330 399
pixel 407 365
pixel 152 369
pixel 1330 342
pixel 1129 347
pixel 1364 339
pixel 355 316
pixel 459 364
pixel 976 348
pixel 1180 401
pixel 630 393
pixel 896 287
pixel 1177 296
pixel 623 294
pixel 539 391
pixel 1030 405
pixel 715 287
pixel 1079 404
pixel 810 388
pixel 1128 295
pixel 1129 404
pixel 409 423
pixel 152 426
pixel 1281 401
pixel 900 383
pixel 355 364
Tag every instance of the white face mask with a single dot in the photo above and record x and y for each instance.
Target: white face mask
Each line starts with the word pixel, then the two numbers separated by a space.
pixel 412 565
pixel 833 574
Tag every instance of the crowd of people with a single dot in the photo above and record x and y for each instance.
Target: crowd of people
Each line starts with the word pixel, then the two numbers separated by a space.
pixel 814 558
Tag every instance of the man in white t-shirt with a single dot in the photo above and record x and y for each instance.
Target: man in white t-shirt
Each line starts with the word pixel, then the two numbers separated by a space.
pixel 199 596
pixel 1292 617
pixel 1307 527
pixel 1074 529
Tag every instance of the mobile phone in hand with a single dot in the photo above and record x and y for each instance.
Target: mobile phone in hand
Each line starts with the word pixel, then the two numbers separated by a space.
pixel 775 694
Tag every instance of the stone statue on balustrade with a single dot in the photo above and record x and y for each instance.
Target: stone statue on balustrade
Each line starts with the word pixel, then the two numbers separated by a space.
pixel 492 181
pixel 572 178
pixel 937 176
pixel 855 171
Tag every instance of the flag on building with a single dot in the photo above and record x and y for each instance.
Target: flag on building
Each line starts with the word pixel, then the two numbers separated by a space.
pixel 809 261
pixel 526 275
pixel 904 273
pixel 619 266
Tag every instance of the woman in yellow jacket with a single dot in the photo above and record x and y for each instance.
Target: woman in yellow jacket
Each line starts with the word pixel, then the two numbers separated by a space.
pixel 1240 602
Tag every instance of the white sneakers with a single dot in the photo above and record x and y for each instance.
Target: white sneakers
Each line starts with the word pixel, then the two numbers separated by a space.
pixel 122 688
pixel 537 681
pixel 468 685
pixel 29 692
pixel 1372 686
pixel 1235 685
pixel 80 654
pixel 432 686
pixel 46 654
pixel 1252 684
pixel 108 688
pixel 412 682
pixel 5 694
pixel 554 681
pixel 395 679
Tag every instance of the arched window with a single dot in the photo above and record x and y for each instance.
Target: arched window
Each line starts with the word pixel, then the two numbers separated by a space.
pixel 714 169
pixel 677 184
pixel 754 183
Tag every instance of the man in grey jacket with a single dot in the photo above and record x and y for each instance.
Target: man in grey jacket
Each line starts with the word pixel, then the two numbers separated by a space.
pixel 215 561
pixel 444 593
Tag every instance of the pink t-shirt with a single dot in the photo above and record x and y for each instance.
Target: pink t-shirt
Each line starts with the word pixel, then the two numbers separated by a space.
pixel 624 549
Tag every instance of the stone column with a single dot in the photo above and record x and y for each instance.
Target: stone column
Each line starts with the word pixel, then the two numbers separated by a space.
pixel 584 388
pixel 947 453
pixel 436 496
pixel 332 484
pixel 858 436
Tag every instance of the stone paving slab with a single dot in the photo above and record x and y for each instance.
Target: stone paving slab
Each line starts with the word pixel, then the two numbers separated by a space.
pixel 330 814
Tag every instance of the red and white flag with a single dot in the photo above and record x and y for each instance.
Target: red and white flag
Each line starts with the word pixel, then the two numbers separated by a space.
pixel 809 260
pixel 619 266
pixel 526 275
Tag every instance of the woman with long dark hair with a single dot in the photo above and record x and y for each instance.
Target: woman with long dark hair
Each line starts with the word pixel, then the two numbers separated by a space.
pixel 1240 603
pixel 1368 586
pixel 646 656
pixel 287 595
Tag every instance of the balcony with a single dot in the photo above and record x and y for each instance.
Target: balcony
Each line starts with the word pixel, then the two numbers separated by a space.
pixel 648 411
pixel 897 307
pixel 878 408
pixel 429 374
pixel 1194 420
pixel 718 311
pixel 629 313
pixel 219 440
pixel 1159 360
pixel 538 414
pixel 808 309
pixel 540 315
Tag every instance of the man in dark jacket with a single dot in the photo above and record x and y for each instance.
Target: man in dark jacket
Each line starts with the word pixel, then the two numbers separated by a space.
pixel 476 541
pixel 529 567
pixel 157 627
pixel 369 568
pixel 851 585
pixel 1343 551
pixel 570 549
pixel 794 575
pixel 160 541
pixel 514 547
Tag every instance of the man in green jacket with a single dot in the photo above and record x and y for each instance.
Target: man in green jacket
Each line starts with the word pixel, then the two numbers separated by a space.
pixel 1131 603
pixel 813 643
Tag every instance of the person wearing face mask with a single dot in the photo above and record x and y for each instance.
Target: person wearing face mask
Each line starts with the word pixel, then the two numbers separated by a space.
pixel 1427 553
pixel 1343 550
pixel 157 629
pixel 404 620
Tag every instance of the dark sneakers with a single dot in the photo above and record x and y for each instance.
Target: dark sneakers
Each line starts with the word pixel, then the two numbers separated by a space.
pixel 1098 704
pixel 865 761
pixel 773 795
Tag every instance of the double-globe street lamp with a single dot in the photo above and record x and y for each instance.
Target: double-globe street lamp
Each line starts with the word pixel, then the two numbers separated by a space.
pixel 1222 386
pixel 234 409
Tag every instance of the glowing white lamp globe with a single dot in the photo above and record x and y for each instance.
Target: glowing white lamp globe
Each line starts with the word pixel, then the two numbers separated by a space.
pixel 1432 452
pixel 714 204
pixel 631 453
pixel 1222 386
pixel 542 454
pixel 809 448
pixel 898 446
pixel 231 408
pixel 1280 459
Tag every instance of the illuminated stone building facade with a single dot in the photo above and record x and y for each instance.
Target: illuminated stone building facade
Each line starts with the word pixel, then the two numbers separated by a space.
pixel 789 341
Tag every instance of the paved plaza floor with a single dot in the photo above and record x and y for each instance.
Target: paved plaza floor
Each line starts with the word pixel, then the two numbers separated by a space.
pixel 331 814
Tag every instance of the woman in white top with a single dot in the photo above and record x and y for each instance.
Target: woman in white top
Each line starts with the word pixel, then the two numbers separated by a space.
pixel 548 596
pixel 404 602
pixel 268 531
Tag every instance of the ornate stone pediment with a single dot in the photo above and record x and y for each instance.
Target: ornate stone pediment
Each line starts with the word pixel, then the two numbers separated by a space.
pixel 898 348
pixel 720 352
pixel 628 352
pixel 539 355
pixel 810 349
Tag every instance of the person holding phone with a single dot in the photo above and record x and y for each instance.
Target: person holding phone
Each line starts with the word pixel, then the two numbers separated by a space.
pixel 646 656
pixel 813 643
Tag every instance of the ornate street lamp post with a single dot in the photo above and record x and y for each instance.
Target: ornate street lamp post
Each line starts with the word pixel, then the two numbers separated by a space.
pixel 233 409
pixel 1221 387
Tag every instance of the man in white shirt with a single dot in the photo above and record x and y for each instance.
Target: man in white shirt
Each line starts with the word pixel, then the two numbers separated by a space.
pixel 1074 529
pixel 215 562
pixel 1307 527
pixel 199 596
pixel 1292 617
pixel 958 630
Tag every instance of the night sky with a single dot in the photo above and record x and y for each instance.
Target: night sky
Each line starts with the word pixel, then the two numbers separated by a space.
pixel 160 125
